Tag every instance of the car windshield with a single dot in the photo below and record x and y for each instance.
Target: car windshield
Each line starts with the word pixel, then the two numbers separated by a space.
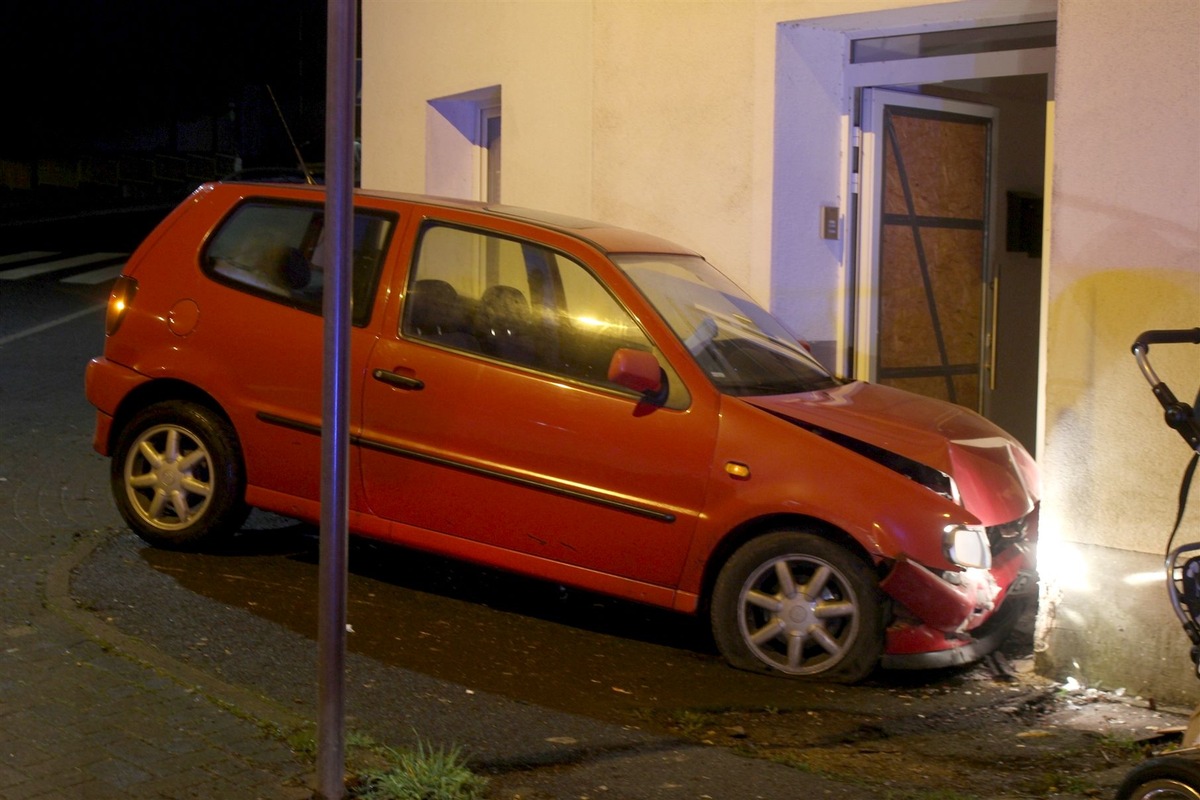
pixel 742 348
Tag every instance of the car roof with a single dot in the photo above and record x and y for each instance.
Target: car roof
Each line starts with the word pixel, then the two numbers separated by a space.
pixel 611 239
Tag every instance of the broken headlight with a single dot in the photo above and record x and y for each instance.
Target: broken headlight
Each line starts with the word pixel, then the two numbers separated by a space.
pixel 967 546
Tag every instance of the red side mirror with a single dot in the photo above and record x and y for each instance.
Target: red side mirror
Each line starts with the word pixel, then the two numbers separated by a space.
pixel 635 369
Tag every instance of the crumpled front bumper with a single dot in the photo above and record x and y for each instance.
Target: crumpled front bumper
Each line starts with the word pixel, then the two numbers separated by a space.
pixel 955 618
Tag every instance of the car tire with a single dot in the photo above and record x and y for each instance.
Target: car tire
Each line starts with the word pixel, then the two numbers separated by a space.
pixel 763 620
pixel 177 476
pixel 1165 778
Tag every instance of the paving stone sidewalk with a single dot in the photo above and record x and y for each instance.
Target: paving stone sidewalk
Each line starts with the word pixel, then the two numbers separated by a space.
pixel 78 720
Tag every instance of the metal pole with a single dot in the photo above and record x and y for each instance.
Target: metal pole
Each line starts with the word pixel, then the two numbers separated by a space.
pixel 339 209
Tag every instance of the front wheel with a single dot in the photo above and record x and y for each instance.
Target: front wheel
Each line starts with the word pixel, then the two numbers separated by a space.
pixel 177 476
pixel 1165 778
pixel 797 604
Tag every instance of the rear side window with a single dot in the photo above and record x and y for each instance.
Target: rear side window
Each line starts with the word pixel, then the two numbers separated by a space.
pixel 275 250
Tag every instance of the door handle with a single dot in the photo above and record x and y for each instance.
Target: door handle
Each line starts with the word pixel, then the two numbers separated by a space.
pixel 397 380
pixel 992 333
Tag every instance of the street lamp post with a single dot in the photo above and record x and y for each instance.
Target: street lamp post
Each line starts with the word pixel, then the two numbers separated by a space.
pixel 339 210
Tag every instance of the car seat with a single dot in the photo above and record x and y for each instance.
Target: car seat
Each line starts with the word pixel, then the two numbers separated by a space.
pixel 504 325
pixel 436 313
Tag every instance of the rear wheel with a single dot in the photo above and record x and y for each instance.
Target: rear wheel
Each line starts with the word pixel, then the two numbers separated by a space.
pixel 177 476
pixel 796 604
pixel 1165 778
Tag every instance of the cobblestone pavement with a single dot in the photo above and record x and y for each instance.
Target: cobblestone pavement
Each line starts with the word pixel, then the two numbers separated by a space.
pixel 78 720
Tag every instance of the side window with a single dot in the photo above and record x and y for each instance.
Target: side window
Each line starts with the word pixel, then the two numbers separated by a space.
pixel 516 302
pixel 274 249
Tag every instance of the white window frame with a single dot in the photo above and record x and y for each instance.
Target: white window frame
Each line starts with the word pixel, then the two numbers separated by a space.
pixel 489 153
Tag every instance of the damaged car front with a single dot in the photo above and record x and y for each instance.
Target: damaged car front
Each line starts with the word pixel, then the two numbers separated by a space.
pixel 961 580
pixel 848 524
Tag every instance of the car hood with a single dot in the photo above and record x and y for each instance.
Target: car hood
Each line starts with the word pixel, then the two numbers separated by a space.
pixel 996 478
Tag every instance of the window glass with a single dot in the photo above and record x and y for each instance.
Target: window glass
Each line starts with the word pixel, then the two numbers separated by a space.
pixel 960 41
pixel 744 350
pixel 276 250
pixel 520 303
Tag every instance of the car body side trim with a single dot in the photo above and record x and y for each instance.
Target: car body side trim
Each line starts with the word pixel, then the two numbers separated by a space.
pixel 416 455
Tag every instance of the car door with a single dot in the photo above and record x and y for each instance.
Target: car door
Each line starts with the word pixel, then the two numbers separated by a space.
pixel 260 336
pixel 489 423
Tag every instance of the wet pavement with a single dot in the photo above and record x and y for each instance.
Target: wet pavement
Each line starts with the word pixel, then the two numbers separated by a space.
pixel 237 658
pixel 560 694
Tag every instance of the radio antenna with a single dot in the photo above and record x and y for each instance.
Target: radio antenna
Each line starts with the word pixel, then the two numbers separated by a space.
pixel 308 178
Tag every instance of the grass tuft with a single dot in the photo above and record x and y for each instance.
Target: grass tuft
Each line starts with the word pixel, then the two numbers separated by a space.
pixel 426 773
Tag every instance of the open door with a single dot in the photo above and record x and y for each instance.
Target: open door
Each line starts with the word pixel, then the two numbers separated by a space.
pixel 924 307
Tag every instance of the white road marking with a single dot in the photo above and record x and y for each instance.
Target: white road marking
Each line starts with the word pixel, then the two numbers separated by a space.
pixel 53 266
pixel 27 256
pixel 97 275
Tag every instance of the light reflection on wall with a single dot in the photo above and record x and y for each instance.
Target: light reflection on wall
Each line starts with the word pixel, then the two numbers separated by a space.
pixel 1061 571
pixel 1145 578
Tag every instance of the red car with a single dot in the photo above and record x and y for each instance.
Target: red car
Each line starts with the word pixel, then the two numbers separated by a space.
pixel 566 399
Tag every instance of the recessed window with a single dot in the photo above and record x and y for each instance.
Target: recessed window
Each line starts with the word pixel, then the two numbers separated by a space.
pixel 462 156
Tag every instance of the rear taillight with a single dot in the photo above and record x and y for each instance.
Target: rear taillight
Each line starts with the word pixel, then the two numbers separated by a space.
pixel 119 300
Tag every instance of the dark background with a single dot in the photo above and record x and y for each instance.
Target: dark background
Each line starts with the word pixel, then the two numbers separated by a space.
pixel 111 103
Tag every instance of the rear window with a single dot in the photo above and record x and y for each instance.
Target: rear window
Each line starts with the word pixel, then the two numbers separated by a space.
pixel 275 250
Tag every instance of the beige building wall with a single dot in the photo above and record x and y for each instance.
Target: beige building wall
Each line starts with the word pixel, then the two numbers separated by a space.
pixel 539 53
pixel 660 115
pixel 1124 256
pixel 654 115
pixel 683 118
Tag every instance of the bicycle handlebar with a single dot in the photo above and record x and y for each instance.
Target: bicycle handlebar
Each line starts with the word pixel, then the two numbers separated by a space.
pixel 1184 336
pixel 1180 417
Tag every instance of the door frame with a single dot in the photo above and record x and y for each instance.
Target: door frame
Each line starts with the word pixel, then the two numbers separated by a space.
pixel 869 229
pixel 812 281
pixel 892 75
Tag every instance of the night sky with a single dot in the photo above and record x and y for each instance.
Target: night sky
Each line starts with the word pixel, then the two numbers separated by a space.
pixel 118 75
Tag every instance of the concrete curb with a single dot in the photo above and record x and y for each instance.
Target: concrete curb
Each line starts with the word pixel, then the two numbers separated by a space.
pixel 59 600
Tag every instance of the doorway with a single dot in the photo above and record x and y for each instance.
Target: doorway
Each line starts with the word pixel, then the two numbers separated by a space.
pixel 958 316
pixel 824 281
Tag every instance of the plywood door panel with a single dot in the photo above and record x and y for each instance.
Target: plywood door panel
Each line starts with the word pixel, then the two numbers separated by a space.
pixel 932 240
